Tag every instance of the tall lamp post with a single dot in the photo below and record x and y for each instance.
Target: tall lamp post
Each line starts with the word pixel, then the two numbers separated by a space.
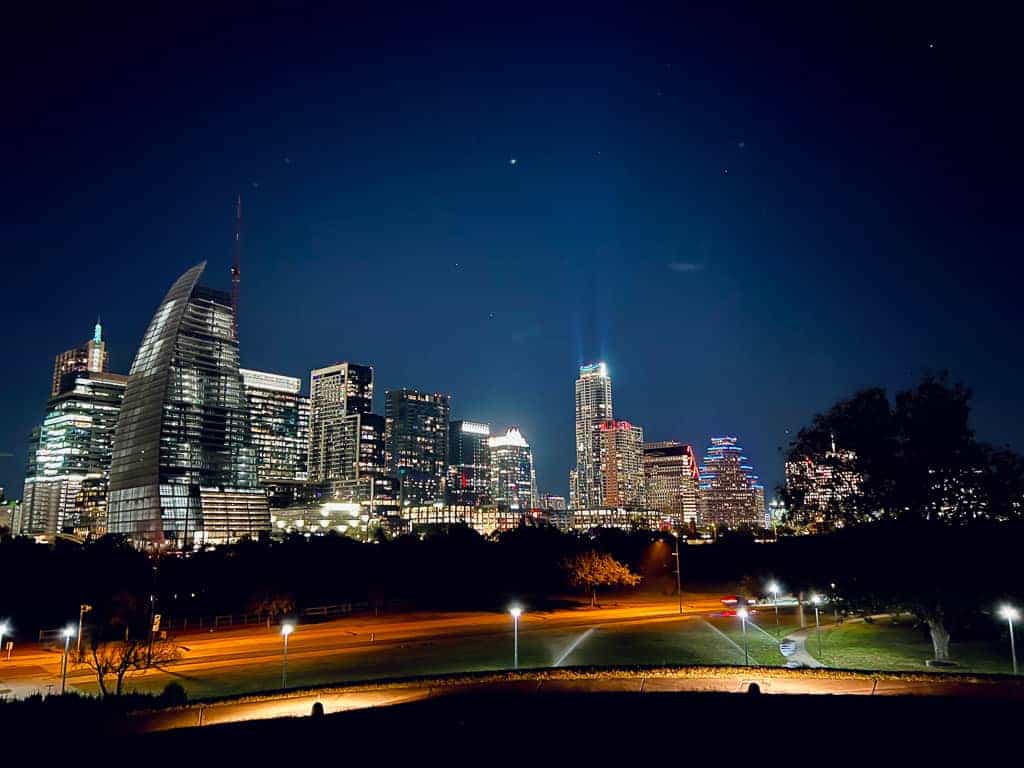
pixel 742 613
pixel 816 599
pixel 774 589
pixel 82 610
pixel 516 612
pixel 286 629
pixel 4 627
pixel 68 633
pixel 1010 613
pixel 679 577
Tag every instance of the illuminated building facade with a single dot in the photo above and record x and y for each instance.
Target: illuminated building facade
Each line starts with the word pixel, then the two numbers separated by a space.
pixel 622 464
pixel 593 408
pixel 513 479
pixel 617 517
pixel 672 480
pixel 91 357
pixel 335 392
pixel 70 456
pixel 730 494
pixel 469 464
pixel 279 423
pixel 184 468
pixel 822 488
pixel 416 444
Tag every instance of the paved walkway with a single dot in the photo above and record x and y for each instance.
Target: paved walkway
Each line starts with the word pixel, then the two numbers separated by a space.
pixel 802 656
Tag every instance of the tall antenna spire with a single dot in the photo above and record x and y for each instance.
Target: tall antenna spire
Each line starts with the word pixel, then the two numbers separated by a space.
pixel 236 265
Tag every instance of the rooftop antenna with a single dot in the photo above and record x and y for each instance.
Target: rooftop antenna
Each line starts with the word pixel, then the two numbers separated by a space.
pixel 236 266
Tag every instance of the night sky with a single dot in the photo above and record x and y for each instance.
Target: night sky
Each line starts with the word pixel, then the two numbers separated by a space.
pixel 746 214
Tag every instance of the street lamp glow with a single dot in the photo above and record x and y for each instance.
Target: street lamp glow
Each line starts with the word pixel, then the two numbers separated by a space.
pixel 68 631
pixel 287 628
pixel 516 611
pixel 816 599
pixel 742 613
pixel 1007 612
pixel 773 587
pixel 4 627
pixel 1011 614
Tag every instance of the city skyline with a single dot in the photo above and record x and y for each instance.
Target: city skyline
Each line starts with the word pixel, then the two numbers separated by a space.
pixel 742 238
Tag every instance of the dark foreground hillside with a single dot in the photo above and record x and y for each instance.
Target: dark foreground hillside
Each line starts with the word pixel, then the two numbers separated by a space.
pixel 645 730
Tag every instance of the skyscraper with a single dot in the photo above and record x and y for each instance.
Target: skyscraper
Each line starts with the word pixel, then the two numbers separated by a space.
pixel 513 480
pixel 593 408
pixel 730 493
pixel 184 467
pixel 622 464
pixel 279 422
pixel 91 357
pixel 335 392
pixel 70 455
pixel 469 466
pixel 672 479
pixel 417 443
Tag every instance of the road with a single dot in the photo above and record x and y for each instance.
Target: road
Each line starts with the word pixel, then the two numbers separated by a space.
pixel 234 661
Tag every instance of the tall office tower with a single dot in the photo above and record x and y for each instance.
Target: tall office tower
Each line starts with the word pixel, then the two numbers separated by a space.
pixel 417 443
pixel 335 392
pixel 70 454
pixel 279 422
pixel 184 467
pixel 730 493
pixel 593 408
pixel 622 464
pixel 354 445
pixel 672 479
pixel 91 357
pixel 513 480
pixel 469 466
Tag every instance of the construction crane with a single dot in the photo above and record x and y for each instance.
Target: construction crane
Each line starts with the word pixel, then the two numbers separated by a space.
pixel 236 266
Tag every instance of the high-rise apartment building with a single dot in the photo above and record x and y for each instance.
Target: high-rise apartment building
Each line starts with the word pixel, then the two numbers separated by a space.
pixel 70 455
pixel 335 392
pixel 417 443
pixel 593 408
pixel 279 423
pixel 672 480
pixel 622 464
pixel 90 357
pixel 469 466
pixel 513 479
pixel 821 488
pixel 184 468
pixel 730 493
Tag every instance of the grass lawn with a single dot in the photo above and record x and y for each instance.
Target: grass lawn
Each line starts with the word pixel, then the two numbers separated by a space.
pixel 897 646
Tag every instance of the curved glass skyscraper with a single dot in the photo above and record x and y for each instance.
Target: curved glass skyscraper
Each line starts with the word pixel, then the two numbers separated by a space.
pixel 184 467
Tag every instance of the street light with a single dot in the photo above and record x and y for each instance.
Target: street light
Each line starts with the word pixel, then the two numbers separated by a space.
pixel 68 632
pixel 1010 613
pixel 742 613
pixel 816 599
pixel 4 628
pixel 286 629
pixel 679 577
pixel 82 610
pixel 774 589
pixel 516 612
